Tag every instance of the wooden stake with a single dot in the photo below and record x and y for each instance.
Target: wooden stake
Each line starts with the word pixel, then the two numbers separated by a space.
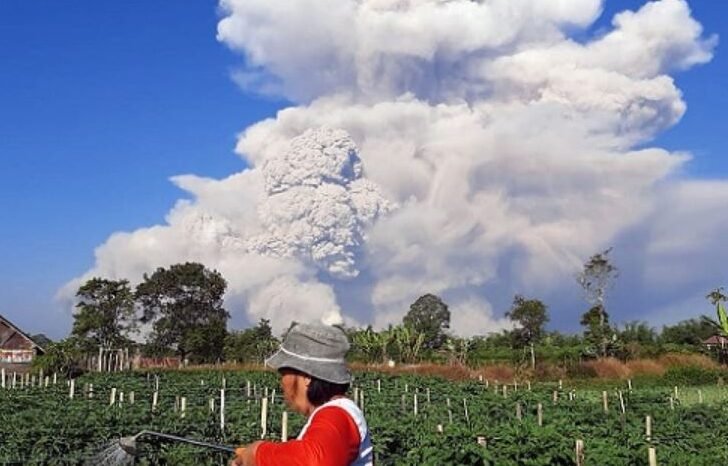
pixel 414 404
pixel 518 411
pixel 155 399
pixel 465 406
pixel 284 426
pixel 264 417
pixel 183 406
pixel 579 452
pixel 539 414
pixel 652 456
pixel 112 398
pixel 379 386
pixel 605 401
pixel 449 410
pixel 72 389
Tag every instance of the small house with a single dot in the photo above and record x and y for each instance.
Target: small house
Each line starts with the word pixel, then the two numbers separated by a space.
pixel 716 342
pixel 17 349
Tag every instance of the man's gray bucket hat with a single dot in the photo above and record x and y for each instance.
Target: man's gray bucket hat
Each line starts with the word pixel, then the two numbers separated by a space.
pixel 314 349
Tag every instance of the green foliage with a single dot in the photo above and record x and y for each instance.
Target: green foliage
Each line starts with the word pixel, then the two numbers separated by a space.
pixel 44 426
pixel 184 304
pixel 251 345
pixel 531 316
pixel 61 357
pixel 692 375
pixel 598 333
pixel 104 313
pixel 687 332
pixel 430 316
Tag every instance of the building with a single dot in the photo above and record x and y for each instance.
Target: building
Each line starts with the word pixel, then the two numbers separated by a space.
pixel 716 342
pixel 17 349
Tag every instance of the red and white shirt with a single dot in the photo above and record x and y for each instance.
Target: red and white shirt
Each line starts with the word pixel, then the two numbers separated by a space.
pixel 336 434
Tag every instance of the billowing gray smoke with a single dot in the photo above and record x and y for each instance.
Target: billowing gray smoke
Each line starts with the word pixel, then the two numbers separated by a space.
pixel 473 149
pixel 318 204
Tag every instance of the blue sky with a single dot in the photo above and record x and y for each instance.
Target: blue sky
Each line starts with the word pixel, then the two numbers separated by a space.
pixel 102 102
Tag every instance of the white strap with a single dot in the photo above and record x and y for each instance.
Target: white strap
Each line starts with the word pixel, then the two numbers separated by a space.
pixel 310 358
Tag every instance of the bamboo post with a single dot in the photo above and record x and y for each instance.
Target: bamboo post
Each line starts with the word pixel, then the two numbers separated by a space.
pixel 555 396
pixel 284 426
pixel 264 417
pixel 539 414
pixel 528 384
pixel 579 452
pixel 222 409
pixel 361 400
pixel 131 398
pixel 379 386
pixel 55 378
pixel 672 404
pixel 112 398
pixel 648 428
pixel 518 411
pixel 621 403
pixel 46 382
pixel 71 389
pixel 90 390
pixel 428 396
pixel 247 388
pixel 605 401
pixel 2 377
pixel 465 408
pixel 155 400
pixel 505 391
pixel 414 404
pixel 183 406
pixel 652 456
pixel 700 396
pixel 101 359
pixel 629 385
pixel 211 403
pixel 449 410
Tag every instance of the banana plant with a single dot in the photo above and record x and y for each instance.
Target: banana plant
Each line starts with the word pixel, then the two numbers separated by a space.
pixel 722 318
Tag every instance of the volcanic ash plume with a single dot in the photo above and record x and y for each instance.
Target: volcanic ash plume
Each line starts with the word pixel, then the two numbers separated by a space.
pixel 471 149
pixel 318 205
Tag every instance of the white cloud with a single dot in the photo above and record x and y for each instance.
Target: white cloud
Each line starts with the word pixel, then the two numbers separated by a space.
pixel 440 146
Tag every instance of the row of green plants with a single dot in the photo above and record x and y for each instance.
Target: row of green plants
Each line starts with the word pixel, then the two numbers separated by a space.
pixel 455 423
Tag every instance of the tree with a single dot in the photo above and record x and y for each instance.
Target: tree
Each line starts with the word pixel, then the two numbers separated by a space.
pixel 184 304
pixel 638 332
pixel 531 316
pixel 429 316
pixel 251 345
pixel 105 313
pixel 373 346
pixel 687 332
pixel 598 333
pixel 408 343
pixel 596 278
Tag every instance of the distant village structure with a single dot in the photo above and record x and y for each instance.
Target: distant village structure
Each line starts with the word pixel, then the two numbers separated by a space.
pixel 17 349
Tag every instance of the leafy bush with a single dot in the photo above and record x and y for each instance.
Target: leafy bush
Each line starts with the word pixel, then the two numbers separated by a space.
pixel 693 375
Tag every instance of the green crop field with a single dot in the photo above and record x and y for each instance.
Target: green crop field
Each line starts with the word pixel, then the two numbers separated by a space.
pixel 414 420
